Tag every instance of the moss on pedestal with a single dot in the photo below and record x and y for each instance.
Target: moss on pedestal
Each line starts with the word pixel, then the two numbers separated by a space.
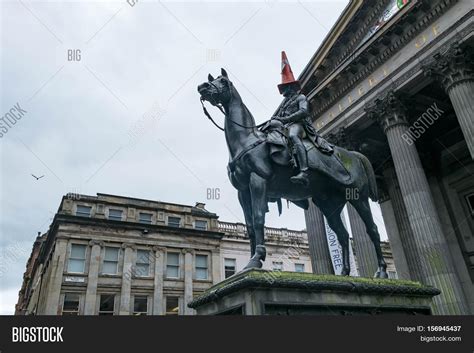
pixel 258 278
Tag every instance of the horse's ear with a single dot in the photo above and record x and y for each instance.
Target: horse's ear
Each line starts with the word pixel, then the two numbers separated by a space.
pixel 224 73
pixel 210 78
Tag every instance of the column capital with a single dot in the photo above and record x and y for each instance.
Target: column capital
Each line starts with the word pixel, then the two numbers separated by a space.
pixel 128 246
pixel 450 66
pixel 93 242
pixel 187 251
pixel 389 110
pixel 157 248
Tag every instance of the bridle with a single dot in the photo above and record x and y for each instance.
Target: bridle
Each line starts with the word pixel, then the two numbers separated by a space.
pixel 221 108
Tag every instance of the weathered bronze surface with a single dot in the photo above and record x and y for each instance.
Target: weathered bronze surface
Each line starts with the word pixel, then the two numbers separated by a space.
pixel 262 169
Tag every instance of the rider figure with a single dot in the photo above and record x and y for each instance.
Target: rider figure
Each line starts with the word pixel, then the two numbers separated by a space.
pixel 294 114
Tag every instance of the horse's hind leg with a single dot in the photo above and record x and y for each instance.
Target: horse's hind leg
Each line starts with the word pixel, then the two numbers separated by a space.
pixel 333 216
pixel 363 208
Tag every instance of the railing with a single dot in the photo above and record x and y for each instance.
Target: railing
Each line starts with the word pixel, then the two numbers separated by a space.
pixel 241 229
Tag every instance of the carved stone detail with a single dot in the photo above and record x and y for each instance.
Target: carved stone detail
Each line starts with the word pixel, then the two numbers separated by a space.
pixel 128 245
pixel 157 249
pixel 186 251
pixel 388 111
pixel 96 242
pixel 451 66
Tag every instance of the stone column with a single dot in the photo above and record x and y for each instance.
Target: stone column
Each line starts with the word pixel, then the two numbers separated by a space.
pixel 317 241
pixel 93 277
pixel 216 266
pixel 127 274
pixel 436 265
pixel 393 233
pixel 56 279
pixel 412 253
pixel 158 308
pixel 453 67
pixel 188 280
pixel 364 248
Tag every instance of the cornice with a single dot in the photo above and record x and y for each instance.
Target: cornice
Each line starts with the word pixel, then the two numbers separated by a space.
pixel 416 69
pixel 334 94
pixel 125 225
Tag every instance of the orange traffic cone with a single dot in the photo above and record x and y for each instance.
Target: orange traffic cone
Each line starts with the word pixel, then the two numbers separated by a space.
pixel 287 77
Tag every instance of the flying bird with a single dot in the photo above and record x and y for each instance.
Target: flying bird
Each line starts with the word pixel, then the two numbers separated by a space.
pixel 37 178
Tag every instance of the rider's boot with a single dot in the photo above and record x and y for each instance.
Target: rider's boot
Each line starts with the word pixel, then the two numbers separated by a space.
pixel 303 176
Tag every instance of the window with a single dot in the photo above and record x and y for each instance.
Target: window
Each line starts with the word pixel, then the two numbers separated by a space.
pixel 140 305
pixel 299 267
pixel 172 265
pixel 107 304
pixel 145 218
pixel 172 305
pixel 71 304
pixel 174 222
pixel 201 267
pixel 77 259
pixel 142 268
pixel 201 225
pixel 83 211
pixel 277 266
pixel 111 256
pixel 229 267
pixel 115 215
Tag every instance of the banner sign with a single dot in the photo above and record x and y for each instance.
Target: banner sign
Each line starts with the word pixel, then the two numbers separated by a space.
pixel 335 252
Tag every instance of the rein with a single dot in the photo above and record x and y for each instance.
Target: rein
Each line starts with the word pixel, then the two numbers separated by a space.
pixel 206 113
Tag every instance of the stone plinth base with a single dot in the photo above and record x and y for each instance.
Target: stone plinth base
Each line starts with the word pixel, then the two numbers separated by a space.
pixel 262 292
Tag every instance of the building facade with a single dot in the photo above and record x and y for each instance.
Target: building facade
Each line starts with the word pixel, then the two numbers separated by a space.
pixel 113 255
pixel 394 80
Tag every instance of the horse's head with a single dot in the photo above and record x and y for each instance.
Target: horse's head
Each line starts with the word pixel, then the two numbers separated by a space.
pixel 216 90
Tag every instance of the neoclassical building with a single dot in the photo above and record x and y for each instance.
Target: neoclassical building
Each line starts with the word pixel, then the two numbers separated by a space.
pixel 394 80
pixel 115 255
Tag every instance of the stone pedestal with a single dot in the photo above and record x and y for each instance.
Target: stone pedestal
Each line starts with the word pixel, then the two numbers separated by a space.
pixel 263 292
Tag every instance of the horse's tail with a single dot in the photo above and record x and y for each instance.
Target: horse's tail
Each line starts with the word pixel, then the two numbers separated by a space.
pixel 369 171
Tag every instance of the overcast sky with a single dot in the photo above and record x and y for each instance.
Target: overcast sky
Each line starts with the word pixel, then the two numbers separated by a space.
pixel 126 118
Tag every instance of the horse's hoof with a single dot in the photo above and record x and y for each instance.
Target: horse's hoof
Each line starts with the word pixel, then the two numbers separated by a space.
pixel 260 252
pixel 253 263
pixel 345 272
pixel 381 273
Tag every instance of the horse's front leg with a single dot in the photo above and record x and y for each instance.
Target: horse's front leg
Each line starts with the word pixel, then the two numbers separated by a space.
pixel 246 204
pixel 258 194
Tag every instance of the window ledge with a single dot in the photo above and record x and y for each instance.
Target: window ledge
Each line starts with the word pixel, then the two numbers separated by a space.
pixel 143 277
pixel 76 274
pixel 202 280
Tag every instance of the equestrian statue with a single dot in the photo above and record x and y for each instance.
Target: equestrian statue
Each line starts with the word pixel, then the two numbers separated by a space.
pixel 286 158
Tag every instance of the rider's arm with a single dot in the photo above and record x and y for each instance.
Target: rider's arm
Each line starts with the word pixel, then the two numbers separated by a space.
pixel 300 114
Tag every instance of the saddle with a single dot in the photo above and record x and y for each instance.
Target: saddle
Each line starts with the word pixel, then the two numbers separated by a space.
pixel 331 165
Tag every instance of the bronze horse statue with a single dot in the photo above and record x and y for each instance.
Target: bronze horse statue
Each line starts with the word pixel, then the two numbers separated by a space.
pixel 260 170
